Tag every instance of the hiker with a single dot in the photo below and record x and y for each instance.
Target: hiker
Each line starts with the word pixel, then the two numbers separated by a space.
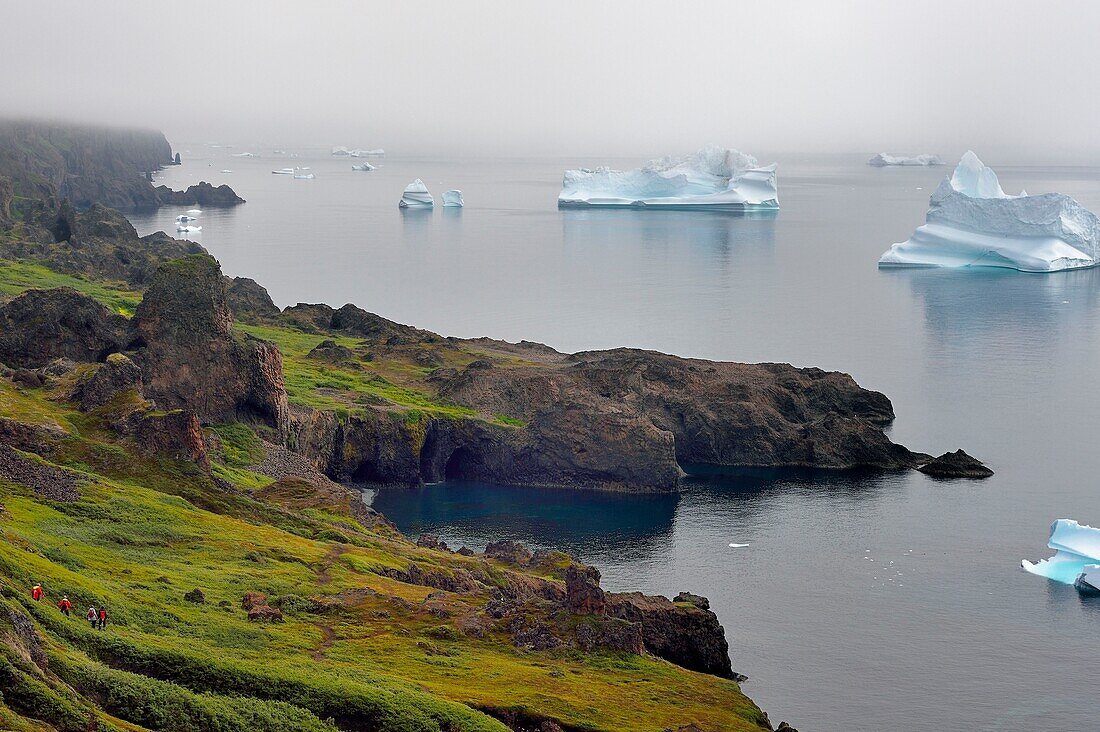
pixel 102 618
pixel 92 616
pixel 37 593
pixel 64 605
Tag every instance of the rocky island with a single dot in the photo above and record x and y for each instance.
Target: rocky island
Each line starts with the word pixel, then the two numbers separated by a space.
pixel 175 447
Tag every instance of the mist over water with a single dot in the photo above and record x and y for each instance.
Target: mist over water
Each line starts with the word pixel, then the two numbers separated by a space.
pixel 882 601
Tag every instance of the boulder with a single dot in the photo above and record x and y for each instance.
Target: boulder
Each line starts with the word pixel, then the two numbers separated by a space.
pixel 508 551
pixel 40 326
pixel 176 434
pixel 582 591
pixel 332 352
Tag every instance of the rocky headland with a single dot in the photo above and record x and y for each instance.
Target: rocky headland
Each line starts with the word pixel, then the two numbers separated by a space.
pixel 136 374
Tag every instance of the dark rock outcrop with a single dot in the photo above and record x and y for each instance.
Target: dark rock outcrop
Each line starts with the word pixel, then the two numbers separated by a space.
pixel 191 359
pixel 42 325
pixel 508 551
pixel 249 300
pixel 687 636
pixel 200 194
pixel 98 243
pixel 582 591
pixel 332 352
pixel 117 375
pixel 956 465
pixel 176 434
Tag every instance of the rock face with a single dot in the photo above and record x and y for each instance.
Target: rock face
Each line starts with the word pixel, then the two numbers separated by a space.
pixel 190 358
pixel 176 434
pixel 200 194
pixel 117 375
pixel 955 465
pixel 42 325
pixel 687 636
pixel 82 164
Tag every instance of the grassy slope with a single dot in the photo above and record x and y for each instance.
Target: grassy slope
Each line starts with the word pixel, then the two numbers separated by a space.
pixel 146 531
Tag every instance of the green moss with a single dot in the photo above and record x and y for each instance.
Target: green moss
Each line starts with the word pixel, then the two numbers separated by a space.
pixel 19 276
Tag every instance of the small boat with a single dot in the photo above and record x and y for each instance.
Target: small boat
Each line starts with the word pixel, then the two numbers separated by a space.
pixel 364 166
pixel 283 171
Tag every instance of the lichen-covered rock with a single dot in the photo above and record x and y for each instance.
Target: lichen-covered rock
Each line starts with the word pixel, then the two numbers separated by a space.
pixel 40 326
pixel 190 358
pixel 118 374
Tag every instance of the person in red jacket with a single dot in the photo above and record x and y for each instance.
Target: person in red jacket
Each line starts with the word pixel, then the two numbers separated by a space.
pixel 64 605
pixel 102 618
pixel 36 593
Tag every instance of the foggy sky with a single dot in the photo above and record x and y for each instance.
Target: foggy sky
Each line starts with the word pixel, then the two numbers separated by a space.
pixel 515 77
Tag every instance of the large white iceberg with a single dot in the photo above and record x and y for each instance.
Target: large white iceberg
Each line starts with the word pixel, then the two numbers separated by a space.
pixel 971 222
pixel 714 178
pixel 883 159
pixel 453 197
pixel 416 195
pixel 1076 560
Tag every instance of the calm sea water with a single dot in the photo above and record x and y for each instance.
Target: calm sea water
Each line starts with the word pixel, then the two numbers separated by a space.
pixel 878 602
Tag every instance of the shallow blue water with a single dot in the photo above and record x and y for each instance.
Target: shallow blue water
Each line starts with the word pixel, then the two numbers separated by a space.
pixel 876 602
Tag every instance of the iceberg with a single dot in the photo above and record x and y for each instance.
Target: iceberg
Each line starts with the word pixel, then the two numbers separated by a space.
pixel 366 153
pixel 245 155
pixel 1076 560
pixel 185 229
pixel 183 219
pixel 340 151
pixel 364 166
pixel 713 178
pixel 416 195
pixel 283 171
pixel 971 222
pixel 883 159
pixel 453 197
pixel 194 212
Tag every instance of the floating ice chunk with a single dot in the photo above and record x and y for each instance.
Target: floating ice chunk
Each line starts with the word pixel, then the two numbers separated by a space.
pixel 883 159
pixel 183 219
pixel 712 178
pixel 971 222
pixel 194 212
pixel 340 151
pixel 245 155
pixel 416 196
pixel 363 166
pixel 364 153
pixel 227 171
pixel 737 546
pixel 1077 553
pixel 185 229
pixel 453 197
pixel 303 174
pixel 1088 582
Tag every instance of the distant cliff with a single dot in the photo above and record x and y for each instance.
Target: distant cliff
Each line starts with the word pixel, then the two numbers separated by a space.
pixel 82 164
pixel 85 165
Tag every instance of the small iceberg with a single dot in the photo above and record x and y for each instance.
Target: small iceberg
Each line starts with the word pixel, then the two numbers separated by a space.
pixel 183 219
pixel 194 212
pixel 303 174
pixel 453 197
pixel 227 171
pixel 340 151
pixel 737 546
pixel 363 166
pixel 971 222
pixel 185 229
pixel 416 195
pixel 283 171
pixel 883 159
pixel 713 179
pixel 367 153
pixel 1076 560
pixel 245 155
